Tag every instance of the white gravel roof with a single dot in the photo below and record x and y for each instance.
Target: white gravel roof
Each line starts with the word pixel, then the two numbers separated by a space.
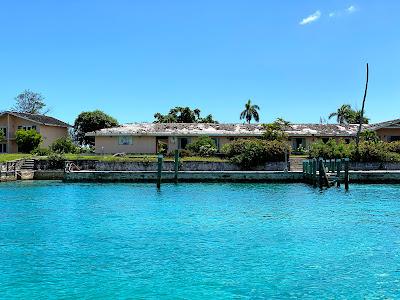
pixel 197 129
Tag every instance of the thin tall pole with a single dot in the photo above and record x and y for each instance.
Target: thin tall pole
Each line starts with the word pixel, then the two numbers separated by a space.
pixel 362 112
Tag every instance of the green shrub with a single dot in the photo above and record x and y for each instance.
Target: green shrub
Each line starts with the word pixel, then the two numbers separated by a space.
pixel 56 161
pixel 185 153
pixel 275 131
pixel 64 145
pixel 248 153
pixel 203 146
pixel 331 149
pixel 2 137
pixel 369 151
pixel 27 140
pixel 372 152
pixel 394 147
pixel 41 152
pixel 369 136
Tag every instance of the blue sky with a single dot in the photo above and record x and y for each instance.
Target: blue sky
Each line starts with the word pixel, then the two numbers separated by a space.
pixel 296 59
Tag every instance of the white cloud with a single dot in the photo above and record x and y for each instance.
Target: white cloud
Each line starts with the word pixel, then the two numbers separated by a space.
pixel 332 14
pixel 351 9
pixel 312 18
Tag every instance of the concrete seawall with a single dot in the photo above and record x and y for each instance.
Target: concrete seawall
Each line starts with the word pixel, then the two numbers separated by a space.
pixel 185 176
pixel 216 176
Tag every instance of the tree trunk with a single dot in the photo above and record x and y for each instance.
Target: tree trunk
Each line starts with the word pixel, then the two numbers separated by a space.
pixel 362 114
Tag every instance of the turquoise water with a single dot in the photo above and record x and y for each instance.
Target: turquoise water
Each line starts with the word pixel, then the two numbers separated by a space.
pixel 198 241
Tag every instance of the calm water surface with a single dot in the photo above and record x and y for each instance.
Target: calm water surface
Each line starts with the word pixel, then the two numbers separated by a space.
pixel 198 241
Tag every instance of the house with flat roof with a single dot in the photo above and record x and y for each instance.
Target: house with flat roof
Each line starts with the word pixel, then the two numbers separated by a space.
pixel 50 128
pixel 147 137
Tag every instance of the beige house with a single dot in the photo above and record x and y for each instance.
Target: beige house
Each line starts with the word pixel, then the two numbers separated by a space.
pixel 388 131
pixel 147 138
pixel 50 128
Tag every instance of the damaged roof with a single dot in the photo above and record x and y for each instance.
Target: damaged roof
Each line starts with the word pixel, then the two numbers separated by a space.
pixel 196 129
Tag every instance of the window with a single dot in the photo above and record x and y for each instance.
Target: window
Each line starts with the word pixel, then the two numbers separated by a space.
pixel 27 127
pixel 216 141
pixel 4 130
pixel 3 148
pixel 125 140
pixel 325 140
pixel 182 143
pixel 394 138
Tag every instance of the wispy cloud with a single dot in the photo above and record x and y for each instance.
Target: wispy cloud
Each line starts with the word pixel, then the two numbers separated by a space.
pixel 311 18
pixel 351 9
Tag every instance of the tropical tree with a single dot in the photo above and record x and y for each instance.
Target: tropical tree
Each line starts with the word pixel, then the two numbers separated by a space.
pixel 180 114
pixel 356 117
pixel 89 121
pixel 250 112
pixel 347 115
pixel 343 114
pixel 30 102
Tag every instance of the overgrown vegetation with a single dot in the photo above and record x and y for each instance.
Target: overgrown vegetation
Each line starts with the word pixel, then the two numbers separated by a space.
pixel 369 150
pixel 91 121
pixel 64 145
pixel 203 146
pixel 275 131
pixel 183 115
pixel 27 140
pixel 248 153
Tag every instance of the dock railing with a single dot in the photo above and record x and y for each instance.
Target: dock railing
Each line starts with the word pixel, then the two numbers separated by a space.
pixel 326 173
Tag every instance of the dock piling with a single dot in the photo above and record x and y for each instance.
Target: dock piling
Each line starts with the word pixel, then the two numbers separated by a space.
pixel 176 166
pixel 159 170
pixel 338 170
pixel 346 174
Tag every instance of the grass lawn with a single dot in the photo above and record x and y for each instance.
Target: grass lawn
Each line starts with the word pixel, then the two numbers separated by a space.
pixel 9 157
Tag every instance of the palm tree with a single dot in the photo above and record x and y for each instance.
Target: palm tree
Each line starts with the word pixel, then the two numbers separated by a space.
pixel 250 112
pixel 342 114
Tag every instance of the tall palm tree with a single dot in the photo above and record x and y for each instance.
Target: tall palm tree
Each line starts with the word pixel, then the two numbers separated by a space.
pixel 250 112
pixel 342 114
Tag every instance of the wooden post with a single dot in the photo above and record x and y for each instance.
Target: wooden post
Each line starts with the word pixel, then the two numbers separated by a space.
pixel 346 174
pixel 314 175
pixel 176 169
pixel 338 169
pixel 321 172
pixel 160 162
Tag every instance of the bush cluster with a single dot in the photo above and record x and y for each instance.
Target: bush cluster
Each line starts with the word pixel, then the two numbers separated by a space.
pixel 248 153
pixel 64 145
pixel 203 146
pixel 27 140
pixel 369 150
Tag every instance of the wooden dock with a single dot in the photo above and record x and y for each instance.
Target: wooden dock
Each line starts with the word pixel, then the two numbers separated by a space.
pixel 326 173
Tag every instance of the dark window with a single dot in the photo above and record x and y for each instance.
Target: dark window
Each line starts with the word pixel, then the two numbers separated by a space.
pixel 325 140
pixel 3 148
pixel 216 141
pixel 4 129
pixel 347 141
pixel 394 138
pixel 183 143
